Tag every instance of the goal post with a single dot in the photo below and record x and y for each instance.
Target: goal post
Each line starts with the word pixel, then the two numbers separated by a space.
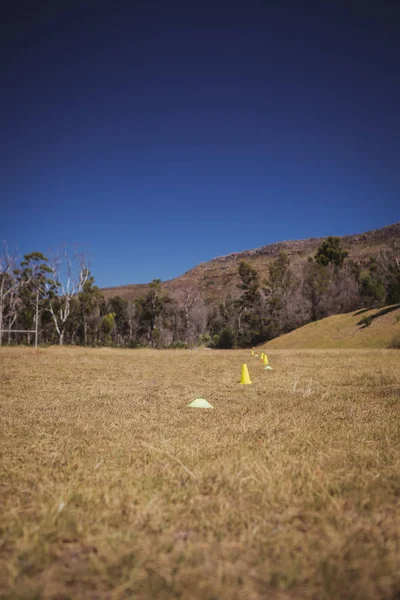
pixel 18 331
pixel 35 331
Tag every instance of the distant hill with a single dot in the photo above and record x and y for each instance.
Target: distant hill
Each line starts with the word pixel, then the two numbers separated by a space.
pixel 344 331
pixel 218 278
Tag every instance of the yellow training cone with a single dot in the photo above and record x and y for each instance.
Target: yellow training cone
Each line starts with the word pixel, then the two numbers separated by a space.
pixel 266 363
pixel 262 355
pixel 245 376
pixel 252 352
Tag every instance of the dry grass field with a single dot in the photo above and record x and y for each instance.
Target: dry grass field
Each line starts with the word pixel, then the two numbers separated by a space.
pixel 110 487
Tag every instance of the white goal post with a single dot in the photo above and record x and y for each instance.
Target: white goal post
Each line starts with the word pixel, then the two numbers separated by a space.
pixel 35 331
pixel 18 331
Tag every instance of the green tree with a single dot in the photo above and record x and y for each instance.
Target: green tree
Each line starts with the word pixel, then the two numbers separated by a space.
pixel 393 289
pixel 316 280
pixel 330 252
pixel 226 339
pixel 250 284
pixel 278 287
pixel 250 318
pixel 222 316
pixel 33 277
pixel 372 290
pixel 90 299
pixel 107 325
pixel 392 275
pixel 152 309
pixel 119 306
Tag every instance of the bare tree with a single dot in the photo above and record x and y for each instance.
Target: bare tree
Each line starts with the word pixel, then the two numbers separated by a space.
pixel 199 319
pixel 68 277
pixel 189 298
pixel 8 288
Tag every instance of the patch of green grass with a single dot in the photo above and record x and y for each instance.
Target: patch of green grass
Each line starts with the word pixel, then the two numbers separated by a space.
pixel 110 487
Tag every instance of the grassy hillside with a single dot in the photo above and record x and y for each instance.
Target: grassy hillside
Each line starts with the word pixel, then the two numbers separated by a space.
pixel 345 331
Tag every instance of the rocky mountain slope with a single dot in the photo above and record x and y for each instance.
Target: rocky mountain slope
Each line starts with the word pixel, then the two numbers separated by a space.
pixel 218 277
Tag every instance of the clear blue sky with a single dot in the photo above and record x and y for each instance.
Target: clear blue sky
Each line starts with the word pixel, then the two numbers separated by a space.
pixel 162 134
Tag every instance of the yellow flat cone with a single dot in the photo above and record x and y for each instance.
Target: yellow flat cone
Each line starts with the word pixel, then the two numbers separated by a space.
pixel 269 367
pixel 200 403
pixel 245 380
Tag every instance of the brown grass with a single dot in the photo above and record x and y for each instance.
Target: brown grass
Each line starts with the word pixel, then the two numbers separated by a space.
pixel 111 488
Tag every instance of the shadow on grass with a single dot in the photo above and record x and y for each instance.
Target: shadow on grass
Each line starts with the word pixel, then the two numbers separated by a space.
pixel 366 321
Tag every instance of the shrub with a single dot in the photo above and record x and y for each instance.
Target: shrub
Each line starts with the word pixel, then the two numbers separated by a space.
pixel 178 344
pixel 365 321
pixel 395 342
pixel 226 339
pixel 204 339
pixel 214 343
pixel 134 344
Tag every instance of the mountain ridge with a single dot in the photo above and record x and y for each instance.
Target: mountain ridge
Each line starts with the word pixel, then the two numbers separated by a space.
pixel 275 247
pixel 218 276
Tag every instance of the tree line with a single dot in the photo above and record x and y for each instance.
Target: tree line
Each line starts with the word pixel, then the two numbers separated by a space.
pixel 60 293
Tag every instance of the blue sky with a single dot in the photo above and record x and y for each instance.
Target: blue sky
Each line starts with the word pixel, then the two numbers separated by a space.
pixel 158 135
